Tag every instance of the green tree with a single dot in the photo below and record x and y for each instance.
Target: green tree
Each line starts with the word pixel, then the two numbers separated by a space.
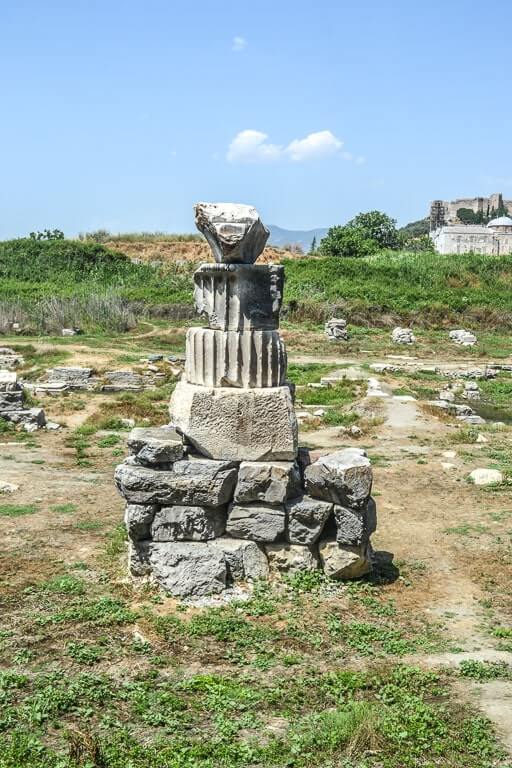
pixel 378 227
pixel 347 242
pixel 312 248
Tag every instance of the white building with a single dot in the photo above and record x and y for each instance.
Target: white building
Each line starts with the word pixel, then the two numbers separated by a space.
pixel 493 239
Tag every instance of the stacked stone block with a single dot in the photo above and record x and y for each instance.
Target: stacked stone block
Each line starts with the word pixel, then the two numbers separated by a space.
pixel 224 494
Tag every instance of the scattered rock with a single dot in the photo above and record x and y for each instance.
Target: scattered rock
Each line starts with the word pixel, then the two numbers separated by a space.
pixel 481 438
pixel 8 487
pixel 482 476
pixel 403 336
pixel 462 337
pixel 336 329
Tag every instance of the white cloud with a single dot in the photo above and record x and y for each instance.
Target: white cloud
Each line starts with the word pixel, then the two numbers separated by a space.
pixel 238 44
pixel 316 144
pixel 252 147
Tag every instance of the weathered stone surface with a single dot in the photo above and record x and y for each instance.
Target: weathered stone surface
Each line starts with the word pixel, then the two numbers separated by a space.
pixel 187 523
pixel 187 569
pixel 33 416
pixel 306 519
pixel 291 558
pixel 121 381
pixel 138 557
pixel 10 401
pixel 336 329
pixel 74 377
pixel 9 358
pixel 344 477
pixel 199 482
pixel 238 297
pixel 270 482
pixel 234 232
pixel 463 337
pixel 138 519
pixel 344 562
pixel 483 476
pixel 354 526
pixel 9 381
pixel 245 560
pixel 228 423
pixel 235 359
pixel 155 445
pixel 258 522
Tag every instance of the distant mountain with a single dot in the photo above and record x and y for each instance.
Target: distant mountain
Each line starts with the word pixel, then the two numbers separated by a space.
pixel 280 237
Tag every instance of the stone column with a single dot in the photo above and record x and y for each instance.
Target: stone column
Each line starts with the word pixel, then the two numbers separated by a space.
pixel 234 401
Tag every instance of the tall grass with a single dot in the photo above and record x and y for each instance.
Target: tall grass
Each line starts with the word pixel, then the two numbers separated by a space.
pixel 104 236
pixel 107 312
pixel 385 289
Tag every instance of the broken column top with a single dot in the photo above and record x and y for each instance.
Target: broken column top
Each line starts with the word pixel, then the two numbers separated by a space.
pixel 234 232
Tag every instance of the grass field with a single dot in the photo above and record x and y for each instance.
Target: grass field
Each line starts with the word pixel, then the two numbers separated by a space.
pixel 420 288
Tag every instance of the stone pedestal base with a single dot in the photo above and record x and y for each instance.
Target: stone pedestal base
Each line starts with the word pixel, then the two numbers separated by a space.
pixel 236 424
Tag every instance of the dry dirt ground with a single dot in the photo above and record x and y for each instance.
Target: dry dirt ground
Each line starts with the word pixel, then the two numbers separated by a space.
pixel 449 540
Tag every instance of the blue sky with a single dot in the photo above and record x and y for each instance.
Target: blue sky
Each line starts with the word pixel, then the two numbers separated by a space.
pixel 122 113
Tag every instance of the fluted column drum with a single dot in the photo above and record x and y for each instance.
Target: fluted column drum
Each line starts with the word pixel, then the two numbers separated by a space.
pixel 234 359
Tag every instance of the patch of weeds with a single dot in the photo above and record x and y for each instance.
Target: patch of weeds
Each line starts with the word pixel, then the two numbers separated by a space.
pixel 103 612
pixel 306 581
pixel 89 525
pixel 467 529
pixel 464 435
pixel 17 510
pixel 371 639
pixel 63 585
pixel 64 509
pixel 109 441
pixel 484 670
pixel 308 373
pixel 84 653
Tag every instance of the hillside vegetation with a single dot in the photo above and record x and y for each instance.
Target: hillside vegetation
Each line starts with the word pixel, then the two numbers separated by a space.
pixel 423 287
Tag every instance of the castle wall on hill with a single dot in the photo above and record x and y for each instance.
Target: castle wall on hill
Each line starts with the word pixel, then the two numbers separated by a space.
pixel 444 212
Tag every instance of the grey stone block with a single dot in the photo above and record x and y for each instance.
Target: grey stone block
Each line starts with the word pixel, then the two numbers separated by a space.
pixel 235 359
pixel 138 557
pixel 239 424
pixel 239 297
pixel 9 381
pixel 234 232
pixel 291 558
pixel 138 519
pixel 190 482
pixel 246 560
pixel 355 526
pixel 270 482
pixel 344 477
pixel 187 523
pixel 154 446
pixel 258 522
pixel 306 519
pixel 34 416
pixel 344 562
pixel 187 569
